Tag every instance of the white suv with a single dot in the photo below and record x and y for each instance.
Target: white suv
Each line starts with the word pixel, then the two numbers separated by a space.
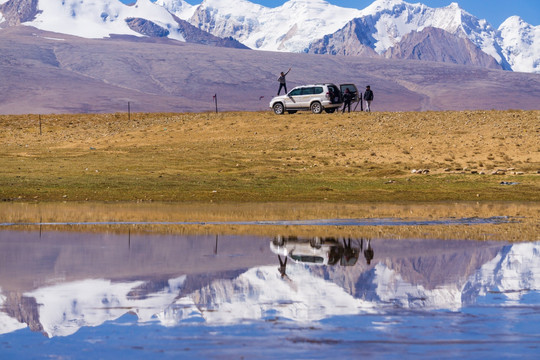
pixel 317 97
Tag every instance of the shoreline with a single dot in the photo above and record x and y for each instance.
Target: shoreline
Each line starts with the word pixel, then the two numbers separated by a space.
pixel 514 221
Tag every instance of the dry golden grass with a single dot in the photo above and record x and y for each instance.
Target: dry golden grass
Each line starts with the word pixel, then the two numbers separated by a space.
pixel 254 157
pixel 523 219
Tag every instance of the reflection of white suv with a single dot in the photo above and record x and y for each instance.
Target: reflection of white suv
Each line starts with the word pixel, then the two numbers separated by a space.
pixel 316 250
pixel 318 97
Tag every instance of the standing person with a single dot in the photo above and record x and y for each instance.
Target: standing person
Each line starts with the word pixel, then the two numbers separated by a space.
pixel 368 98
pixel 283 82
pixel 347 97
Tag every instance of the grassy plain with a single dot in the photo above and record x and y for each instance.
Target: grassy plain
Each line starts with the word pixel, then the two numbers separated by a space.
pixel 261 157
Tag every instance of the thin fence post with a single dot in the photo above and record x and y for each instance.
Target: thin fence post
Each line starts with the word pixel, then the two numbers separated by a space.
pixel 129 111
pixel 39 116
pixel 215 100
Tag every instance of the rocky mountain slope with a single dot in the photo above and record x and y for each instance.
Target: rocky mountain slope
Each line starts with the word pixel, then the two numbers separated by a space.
pixel 432 44
pixel 43 72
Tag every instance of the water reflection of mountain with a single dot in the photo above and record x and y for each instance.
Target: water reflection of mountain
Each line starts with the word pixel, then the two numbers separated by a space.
pixel 58 282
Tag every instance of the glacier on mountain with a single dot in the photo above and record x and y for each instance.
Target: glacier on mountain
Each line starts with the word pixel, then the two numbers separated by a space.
pixel 290 27
pixel 99 19
pixel 179 8
pixel 520 43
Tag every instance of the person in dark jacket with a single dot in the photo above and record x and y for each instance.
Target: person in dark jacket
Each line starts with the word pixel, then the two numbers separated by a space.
pixel 368 98
pixel 347 98
pixel 283 82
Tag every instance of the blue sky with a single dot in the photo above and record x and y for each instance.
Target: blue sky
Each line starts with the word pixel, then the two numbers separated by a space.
pixel 495 11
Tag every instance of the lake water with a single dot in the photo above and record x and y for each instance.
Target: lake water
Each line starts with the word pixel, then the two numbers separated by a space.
pixel 72 293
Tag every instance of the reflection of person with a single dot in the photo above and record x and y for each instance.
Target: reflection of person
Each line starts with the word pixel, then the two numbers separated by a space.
pixel 369 253
pixel 347 97
pixel 335 254
pixel 283 82
pixel 282 266
pixel 368 98
pixel 350 254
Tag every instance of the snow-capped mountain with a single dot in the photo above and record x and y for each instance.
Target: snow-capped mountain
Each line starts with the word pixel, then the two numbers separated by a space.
pixel 520 44
pixel 314 26
pixel 100 19
pixel 433 44
pixel 319 27
pixel 179 8
pixel 96 19
pixel 385 23
pixel 392 19
pixel 290 27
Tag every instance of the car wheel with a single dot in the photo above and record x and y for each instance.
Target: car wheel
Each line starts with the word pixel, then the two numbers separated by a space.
pixel 316 107
pixel 279 241
pixel 291 111
pixel 315 242
pixel 278 108
pixel 330 111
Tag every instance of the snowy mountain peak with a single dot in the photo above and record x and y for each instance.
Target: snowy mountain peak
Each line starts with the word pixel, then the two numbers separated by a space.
pixel 379 5
pixel 387 3
pixel 514 21
pixel 179 8
pixel 520 42
pixel 93 19
pixel 229 6
pixel 308 3
pixel 290 27
pixel 384 24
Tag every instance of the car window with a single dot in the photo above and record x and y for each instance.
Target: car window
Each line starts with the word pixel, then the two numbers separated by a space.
pixel 308 258
pixel 318 90
pixel 295 92
pixel 308 91
pixel 351 88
